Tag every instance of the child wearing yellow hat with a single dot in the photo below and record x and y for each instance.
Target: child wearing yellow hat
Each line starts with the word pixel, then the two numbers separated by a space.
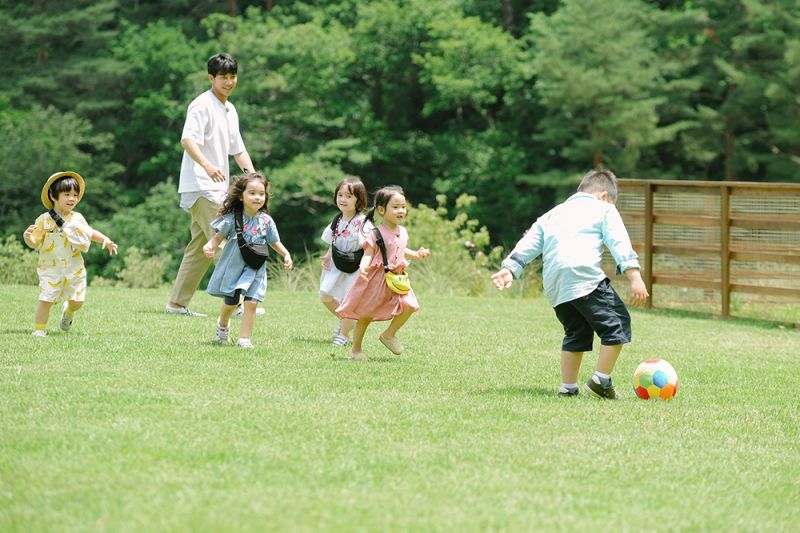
pixel 61 235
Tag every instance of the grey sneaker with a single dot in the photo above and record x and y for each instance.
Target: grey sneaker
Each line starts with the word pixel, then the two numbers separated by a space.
pixel 244 343
pixel 185 311
pixel 66 318
pixel 223 334
pixel 598 390
pixel 240 311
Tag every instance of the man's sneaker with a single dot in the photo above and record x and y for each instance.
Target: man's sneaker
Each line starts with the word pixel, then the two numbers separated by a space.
pixel 244 343
pixel 240 311
pixel 567 393
pixel 185 311
pixel 39 333
pixel 66 318
pixel 598 390
pixel 223 334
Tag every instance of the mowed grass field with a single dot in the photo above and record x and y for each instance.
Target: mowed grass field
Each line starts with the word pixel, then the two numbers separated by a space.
pixel 135 421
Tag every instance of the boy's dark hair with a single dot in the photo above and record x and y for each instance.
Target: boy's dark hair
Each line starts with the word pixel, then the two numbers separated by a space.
pixel 600 180
pixel 233 199
pixel 353 185
pixel 382 197
pixel 222 64
pixel 67 183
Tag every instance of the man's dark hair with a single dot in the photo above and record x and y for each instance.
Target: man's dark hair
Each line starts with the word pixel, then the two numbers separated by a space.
pixel 222 64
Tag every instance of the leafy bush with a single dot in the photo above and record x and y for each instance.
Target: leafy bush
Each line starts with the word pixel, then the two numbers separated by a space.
pixel 142 271
pixel 461 257
pixel 156 227
pixel 17 263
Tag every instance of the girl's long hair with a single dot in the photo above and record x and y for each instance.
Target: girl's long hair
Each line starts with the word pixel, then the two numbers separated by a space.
pixel 381 199
pixel 238 184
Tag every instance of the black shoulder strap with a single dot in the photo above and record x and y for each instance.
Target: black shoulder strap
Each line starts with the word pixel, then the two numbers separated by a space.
pixel 239 224
pixel 382 246
pixel 56 217
pixel 334 223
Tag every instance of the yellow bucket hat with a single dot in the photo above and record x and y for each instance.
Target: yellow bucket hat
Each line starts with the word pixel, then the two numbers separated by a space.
pixel 47 202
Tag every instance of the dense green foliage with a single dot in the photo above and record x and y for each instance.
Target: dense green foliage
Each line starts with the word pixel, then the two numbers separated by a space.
pixel 135 421
pixel 506 100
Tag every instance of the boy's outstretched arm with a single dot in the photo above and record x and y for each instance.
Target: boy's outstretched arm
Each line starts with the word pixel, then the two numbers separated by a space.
pixel 639 292
pixel 106 243
pixel 502 279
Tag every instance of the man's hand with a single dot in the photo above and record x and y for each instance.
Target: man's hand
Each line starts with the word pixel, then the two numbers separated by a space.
pixel 213 172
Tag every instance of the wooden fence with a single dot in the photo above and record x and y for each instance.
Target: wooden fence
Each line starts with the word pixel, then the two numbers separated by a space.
pixel 719 238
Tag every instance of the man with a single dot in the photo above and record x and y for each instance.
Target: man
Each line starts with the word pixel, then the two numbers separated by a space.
pixel 210 136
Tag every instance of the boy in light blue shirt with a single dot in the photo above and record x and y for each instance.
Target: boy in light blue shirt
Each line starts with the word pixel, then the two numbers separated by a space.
pixel 570 238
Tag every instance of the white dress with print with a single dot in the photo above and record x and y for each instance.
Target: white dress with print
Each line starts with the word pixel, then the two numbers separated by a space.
pixel 350 237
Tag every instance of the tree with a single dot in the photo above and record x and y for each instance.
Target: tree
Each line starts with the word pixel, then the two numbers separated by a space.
pixel 598 75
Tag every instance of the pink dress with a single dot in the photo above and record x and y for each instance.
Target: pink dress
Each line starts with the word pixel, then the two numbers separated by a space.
pixel 371 298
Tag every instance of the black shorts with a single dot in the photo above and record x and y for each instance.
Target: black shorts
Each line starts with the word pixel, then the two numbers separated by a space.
pixel 234 300
pixel 601 311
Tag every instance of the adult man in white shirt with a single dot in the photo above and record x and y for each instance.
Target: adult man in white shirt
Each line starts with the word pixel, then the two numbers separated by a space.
pixel 210 136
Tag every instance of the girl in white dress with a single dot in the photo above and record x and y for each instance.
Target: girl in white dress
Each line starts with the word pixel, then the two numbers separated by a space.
pixel 347 234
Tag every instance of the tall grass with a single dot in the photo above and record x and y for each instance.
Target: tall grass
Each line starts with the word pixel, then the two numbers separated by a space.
pixel 136 421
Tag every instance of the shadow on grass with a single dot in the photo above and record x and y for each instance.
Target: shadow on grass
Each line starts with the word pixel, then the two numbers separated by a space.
pixel 517 391
pixel 15 331
pixel 740 321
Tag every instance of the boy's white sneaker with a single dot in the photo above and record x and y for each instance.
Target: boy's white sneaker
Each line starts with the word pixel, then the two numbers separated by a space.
pixel 39 333
pixel 244 343
pixel 66 318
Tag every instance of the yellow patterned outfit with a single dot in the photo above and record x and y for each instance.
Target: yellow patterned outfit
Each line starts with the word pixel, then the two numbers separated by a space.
pixel 62 275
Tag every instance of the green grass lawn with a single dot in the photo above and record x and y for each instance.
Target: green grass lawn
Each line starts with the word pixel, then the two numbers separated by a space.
pixel 136 421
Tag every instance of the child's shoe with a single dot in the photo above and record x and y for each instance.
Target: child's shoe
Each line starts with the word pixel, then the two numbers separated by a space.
pixel 223 334
pixel 599 390
pixel 393 345
pixel 244 343
pixel 39 333
pixel 66 318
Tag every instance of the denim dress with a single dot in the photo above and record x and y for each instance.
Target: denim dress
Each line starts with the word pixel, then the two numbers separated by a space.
pixel 232 273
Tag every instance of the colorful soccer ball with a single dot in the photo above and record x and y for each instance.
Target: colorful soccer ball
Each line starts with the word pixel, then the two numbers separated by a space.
pixel 655 378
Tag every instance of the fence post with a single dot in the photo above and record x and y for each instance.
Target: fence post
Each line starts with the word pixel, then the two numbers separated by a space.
pixel 648 242
pixel 724 250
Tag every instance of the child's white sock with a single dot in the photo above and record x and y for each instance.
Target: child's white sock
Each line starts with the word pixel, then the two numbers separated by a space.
pixel 604 378
pixel 569 386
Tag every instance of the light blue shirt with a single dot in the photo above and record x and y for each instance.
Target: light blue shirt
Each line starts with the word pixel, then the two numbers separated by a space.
pixel 570 239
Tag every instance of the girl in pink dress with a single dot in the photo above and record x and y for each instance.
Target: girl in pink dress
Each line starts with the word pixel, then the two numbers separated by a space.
pixel 369 299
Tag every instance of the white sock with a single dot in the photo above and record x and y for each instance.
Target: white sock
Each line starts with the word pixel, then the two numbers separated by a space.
pixel 601 375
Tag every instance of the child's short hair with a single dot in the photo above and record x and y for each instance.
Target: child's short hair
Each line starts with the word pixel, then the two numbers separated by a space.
pixel 65 184
pixel 222 64
pixel 356 188
pixel 600 180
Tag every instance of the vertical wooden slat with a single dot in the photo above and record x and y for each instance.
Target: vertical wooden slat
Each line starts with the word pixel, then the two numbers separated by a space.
pixel 648 242
pixel 724 250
